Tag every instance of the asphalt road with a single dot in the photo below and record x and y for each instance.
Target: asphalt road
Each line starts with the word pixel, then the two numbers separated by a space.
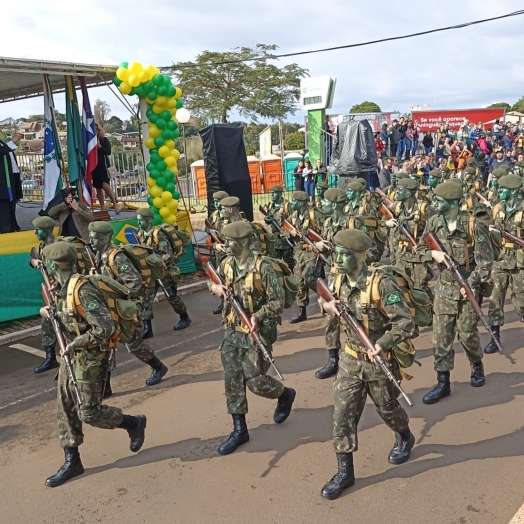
pixel 465 468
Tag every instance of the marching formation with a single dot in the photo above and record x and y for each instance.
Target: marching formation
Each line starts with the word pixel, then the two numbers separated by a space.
pixel 451 245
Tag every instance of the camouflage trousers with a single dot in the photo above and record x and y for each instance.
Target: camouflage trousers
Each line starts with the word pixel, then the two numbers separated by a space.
pixel 356 379
pixel 452 317
pixel 90 369
pixel 287 256
pixel 304 272
pixel 174 300
pixel 332 333
pixel 419 273
pixel 502 279
pixel 48 333
pixel 138 347
pixel 244 366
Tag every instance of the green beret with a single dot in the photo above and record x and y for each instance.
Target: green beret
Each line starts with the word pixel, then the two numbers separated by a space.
pixel 449 190
pixel 363 182
pixel 470 171
pixel 356 186
pixel 219 195
pixel 277 189
pixel 407 183
pixel 236 230
pixel 300 196
pixel 322 185
pixel 435 174
pixel 401 175
pixel 505 167
pixel 520 164
pixel 335 195
pixel 470 161
pixel 230 201
pixel 497 173
pixel 44 223
pixel 455 181
pixel 103 228
pixel 510 181
pixel 145 212
pixel 353 239
pixel 446 169
pixel 60 252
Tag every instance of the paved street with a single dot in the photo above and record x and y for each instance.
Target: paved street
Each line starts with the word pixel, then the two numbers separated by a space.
pixel 466 467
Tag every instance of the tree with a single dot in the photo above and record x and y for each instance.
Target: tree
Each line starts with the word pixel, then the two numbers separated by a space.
pixel 218 83
pixel 366 107
pixel 505 105
pixel 113 125
pixel 101 112
pixel 295 141
pixel 130 125
pixel 35 118
pixel 518 105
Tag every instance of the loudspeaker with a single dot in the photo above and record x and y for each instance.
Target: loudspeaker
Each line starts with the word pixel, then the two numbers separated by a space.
pixel 225 163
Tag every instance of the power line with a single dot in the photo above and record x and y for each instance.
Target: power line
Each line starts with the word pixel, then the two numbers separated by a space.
pixel 361 44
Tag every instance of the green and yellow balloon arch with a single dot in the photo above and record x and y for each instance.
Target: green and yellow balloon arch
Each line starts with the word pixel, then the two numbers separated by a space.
pixel 163 101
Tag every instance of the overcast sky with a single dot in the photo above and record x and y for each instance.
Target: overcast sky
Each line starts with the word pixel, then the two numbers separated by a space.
pixel 457 69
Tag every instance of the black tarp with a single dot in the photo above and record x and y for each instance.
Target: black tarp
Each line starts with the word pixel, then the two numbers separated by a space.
pixel 225 163
pixel 354 152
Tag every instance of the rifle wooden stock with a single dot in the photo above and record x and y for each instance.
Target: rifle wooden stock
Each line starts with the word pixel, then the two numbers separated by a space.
pixel 213 232
pixel 359 330
pixel 315 237
pixel 511 238
pixel 242 315
pixel 484 200
pixel 385 199
pixel 432 242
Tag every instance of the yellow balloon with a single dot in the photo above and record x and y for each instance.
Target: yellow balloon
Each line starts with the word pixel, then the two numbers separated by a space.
pixel 154 131
pixel 151 71
pixel 170 144
pixel 151 182
pixel 157 71
pixel 155 191
pixel 149 142
pixel 175 171
pixel 176 154
pixel 171 103
pixel 125 88
pixel 164 212
pixel 170 161
pixel 172 205
pixel 178 92
pixel 149 101
pixel 166 197
pixel 158 202
pixel 157 109
pixel 133 80
pixel 135 67
pixel 161 101
pixel 163 151
pixel 175 205
pixel 144 76
pixel 171 219
pixel 122 73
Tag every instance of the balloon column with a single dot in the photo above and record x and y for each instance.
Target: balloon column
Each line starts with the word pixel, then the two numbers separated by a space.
pixel 163 100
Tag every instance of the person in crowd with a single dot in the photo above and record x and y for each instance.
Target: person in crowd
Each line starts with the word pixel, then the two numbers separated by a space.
pixel 402 126
pixel 455 151
pixel 394 137
pixel 328 138
pixel 447 147
pixel 10 185
pixel 427 143
pixel 384 176
pixel 497 131
pixel 416 136
pixel 309 181
pixel 384 136
pixel 101 174
pixel 483 144
pixel 507 141
pixel 321 172
pixel 394 165
pixel 381 148
pixel 299 179
pixel 499 160
pixel 481 166
pixel 408 139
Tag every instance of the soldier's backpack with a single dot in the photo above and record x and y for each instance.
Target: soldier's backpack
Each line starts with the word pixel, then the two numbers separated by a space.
pixel 143 258
pixel 266 240
pixel 178 238
pixel 83 262
pixel 115 296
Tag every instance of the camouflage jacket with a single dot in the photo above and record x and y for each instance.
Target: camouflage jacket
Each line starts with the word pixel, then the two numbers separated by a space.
pixel 126 273
pixel 511 255
pixel 414 221
pixel 215 217
pixel 311 219
pixel 279 213
pixel 163 247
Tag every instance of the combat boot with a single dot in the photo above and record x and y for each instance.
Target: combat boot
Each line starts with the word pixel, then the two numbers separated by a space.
pixel 345 477
pixel 106 386
pixel 239 436
pixel 72 468
pixel 50 361
pixel 159 369
pixel 478 378
pixel 219 309
pixel 183 322
pixel 148 329
pixel 284 405
pixel 492 347
pixel 402 448
pixel 136 429
pixel 300 316
pixel 441 390
pixel 331 368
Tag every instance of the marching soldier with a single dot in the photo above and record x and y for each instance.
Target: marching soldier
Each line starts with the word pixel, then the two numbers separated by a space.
pixel 153 236
pixel 358 375
pixel 493 192
pixel 320 190
pixel 114 263
pixel 465 238
pixel 243 363
pixel 508 271
pixel 216 215
pixel 395 179
pixel 87 347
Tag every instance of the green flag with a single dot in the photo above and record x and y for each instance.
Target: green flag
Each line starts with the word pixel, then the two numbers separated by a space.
pixel 75 141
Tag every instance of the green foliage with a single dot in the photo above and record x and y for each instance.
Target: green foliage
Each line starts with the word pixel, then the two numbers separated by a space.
pixel 251 132
pixel 113 125
pixel 115 144
pixel 518 105
pixel 101 112
pixel 366 107
pixel 3 137
pixel 35 118
pixel 505 105
pixel 295 141
pixel 254 88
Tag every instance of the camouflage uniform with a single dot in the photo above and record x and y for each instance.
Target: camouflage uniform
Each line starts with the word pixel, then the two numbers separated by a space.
pixel 48 333
pixel 452 313
pixel 90 363
pixel 242 361
pixel 283 250
pixel 357 376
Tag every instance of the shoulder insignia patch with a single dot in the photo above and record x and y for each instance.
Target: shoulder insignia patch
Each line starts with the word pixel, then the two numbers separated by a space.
pixel 392 298
pixel 164 243
pixel 274 282
pixel 92 306
pixel 481 238
pixel 123 267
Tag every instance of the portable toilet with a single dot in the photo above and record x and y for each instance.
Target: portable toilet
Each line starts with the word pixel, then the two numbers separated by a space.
pixel 199 176
pixel 271 171
pixel 253 165
pixel 291 161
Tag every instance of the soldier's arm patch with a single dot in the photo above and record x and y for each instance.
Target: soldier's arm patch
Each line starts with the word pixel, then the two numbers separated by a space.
pixel 92 305
pixel 481 238
pixel 392 298
pixel 274 282
pixel 123 268
pixel 164 243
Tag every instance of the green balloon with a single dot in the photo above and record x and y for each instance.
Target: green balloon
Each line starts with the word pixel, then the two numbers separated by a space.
pixel 160 123
pixel 151 94
pixel 167 80
pixel 161 181
pixel 179 103
pixel 155 158
pixel 176 195
pixel 170 91
pixel 141 92
pixel 149 86
pixel 172 125
pixel 161 90
pixel 149 113
pixel 169 187
pixel 158 79
pixel 153 118
pixel 161 166
pixel 133 91
pixel 157 219
pixel 169 175
pixel 125 65
pixel 159 141
pixel 154 209
pixel 176 133
pixel 154 173
pixel 150 201
pixel 167 134
pixel 150 166
pixel 166 115
pixel 117 81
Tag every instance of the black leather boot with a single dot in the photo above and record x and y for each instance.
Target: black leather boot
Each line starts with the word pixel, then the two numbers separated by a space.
pixel 401 449
pixel 331 368
pixel 136 429
pixel 492 347
pixel 50 361
pixel 106 387
pixel 441 390
pixel 219 309
pixel 345 477
pixel 183 322
pixel 300 316
pixel 72 468
pixel 478 378
pixel 284 405
pixel 148 329
pixel 159 369
pixel 239 436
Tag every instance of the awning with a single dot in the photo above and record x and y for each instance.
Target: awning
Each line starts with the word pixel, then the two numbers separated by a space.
pixel 21 78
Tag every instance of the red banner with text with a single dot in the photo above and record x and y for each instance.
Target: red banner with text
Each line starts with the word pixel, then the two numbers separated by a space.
pixel 455 118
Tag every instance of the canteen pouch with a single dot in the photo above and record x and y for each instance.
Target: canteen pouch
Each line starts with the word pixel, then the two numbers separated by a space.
pixel 87 366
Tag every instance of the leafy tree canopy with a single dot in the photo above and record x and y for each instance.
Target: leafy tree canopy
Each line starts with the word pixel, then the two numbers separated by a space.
pixel 505 105
pixel 366 107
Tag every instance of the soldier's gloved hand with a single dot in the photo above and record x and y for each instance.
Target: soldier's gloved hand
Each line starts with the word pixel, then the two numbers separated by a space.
pixel 93 271
pixel 218 290
pixel 322 245
pixel 392 222
pixel 255 328
pixel 45 312
pixel 439 256
pixel 35 262
pixel 268 220
pixel 69 350
pixel 331 307
pixel 378 352
pixel 463 293
pixel 220 247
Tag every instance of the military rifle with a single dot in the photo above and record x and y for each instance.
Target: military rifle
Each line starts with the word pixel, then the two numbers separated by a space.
pixel 385 199
pixel 50 302
pixel 315 237
pixel 431 241
pixel 358 329
pixel 242 315
pixel 213 232
pixel 274 223
pixel 484 200
pixel 91 256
